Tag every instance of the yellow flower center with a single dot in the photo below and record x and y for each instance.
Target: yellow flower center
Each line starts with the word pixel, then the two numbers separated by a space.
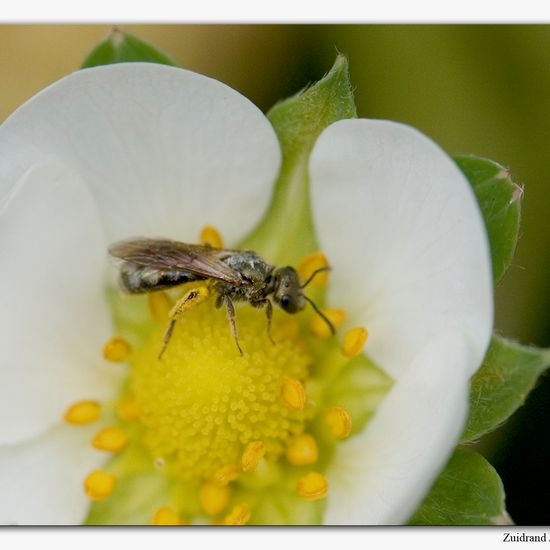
pixel 203 403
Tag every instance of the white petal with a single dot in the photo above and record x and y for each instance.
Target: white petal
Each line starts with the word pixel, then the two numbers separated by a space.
pixel 41 481
pixel 54 318
pixel 164 150
pixel 404 234
pixel 411 262
pixel 380 476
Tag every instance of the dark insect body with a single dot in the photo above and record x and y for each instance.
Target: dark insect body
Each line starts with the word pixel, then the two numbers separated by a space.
pixel 149 265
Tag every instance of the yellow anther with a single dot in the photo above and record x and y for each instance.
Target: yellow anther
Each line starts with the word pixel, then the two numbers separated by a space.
pixel 99 484
pixel 312 486
pixel 189 300
pixel 213 497
pixel 226 474
pixel 240 515
pixel 159 306
pixel 117 350
pixel 210 235
pixel 128 409
pixel 166 516
pixel 302 449
pixel 83 412
pixel 319 327
pixel 254 451
pixel 354 340
pixel 311 263
pixel 294 394
pixel 339 421
pixel 110 439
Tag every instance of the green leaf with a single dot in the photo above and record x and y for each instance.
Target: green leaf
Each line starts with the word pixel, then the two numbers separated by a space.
pixel 121 47
pixel 509 372
pixel 468 492
pixel 500 201
pixel 287 231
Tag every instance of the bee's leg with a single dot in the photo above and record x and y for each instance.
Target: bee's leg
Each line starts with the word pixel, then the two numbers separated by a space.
pixel 230 308
pixel 269 314
pixel 186 302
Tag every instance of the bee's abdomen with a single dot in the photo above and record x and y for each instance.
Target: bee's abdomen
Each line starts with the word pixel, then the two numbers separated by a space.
pixel 146 279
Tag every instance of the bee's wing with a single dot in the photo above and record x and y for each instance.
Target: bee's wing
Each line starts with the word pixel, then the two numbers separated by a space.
pixel 163 255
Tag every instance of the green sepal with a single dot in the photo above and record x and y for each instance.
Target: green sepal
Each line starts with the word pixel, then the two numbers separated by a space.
pixel 500 201
pixel 287 232
pixel 505 379
pixel 121 47
pixel 468 492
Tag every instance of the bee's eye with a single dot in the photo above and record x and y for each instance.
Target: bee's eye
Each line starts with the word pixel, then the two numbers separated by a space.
pixel 288 303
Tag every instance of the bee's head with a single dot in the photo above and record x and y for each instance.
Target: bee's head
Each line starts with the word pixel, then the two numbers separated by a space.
pixel 287 292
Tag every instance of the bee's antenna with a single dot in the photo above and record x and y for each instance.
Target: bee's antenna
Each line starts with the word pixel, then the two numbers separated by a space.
pixel 319 312
pixel 314 274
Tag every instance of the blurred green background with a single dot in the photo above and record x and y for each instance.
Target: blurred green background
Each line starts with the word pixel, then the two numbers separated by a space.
pixel 482 89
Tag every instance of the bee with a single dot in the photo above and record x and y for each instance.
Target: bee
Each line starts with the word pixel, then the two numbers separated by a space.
pixel 149 265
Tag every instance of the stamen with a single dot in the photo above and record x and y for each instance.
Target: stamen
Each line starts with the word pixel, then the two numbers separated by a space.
pixel 254 451
pixel 294 394
pixel 226 474
pixel 213 497
pixel 339 421
pixel 83 412
pixel 354 340
pixel 319 327
pixel 166 516
pixel 302 449
pixel 111 439
pixel 312 486
pixel 240 515
pixel 99 484
pixel 117 350
pixel 128 409
pixel 159 306
pixel 210 235
pixel 311 263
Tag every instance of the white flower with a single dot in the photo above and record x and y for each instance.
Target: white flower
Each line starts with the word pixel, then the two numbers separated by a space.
pixel 139 149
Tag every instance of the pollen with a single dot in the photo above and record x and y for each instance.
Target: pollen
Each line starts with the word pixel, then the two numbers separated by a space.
pixel 99 484
pixel 294 394
pixel 214 498
pixel 204 407
pixel 110 439
pixel 210 235
pixel 159 306
pixel 82 412
pixel 302 449
pixel 319 327
pixel 166 516
pixel 312 486
pixel 354 341
pixel 117 350
pixel 311 263
pixel 240 515
pixel 226 474
pixel 253 453
pixel 339 421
